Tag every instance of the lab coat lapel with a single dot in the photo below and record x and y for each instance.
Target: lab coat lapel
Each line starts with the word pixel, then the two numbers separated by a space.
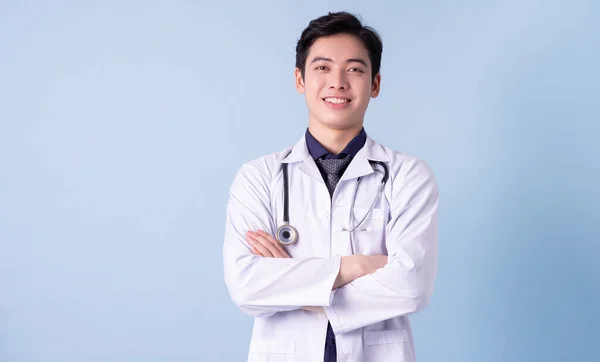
pixel 309 167
pixel 360 165
pixel 300 153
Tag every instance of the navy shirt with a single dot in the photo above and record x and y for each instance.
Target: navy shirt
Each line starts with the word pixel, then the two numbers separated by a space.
pixel 317 151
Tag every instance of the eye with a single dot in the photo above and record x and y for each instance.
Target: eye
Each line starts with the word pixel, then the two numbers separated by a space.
pixel 321 67
pixel 356 70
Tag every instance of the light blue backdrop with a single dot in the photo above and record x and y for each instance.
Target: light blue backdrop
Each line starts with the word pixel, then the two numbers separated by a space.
pixel 122 125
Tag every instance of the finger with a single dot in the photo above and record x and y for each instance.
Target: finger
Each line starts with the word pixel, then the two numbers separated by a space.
pixel 264 251
pixel 267 244
pixel 255 251
pixel 274 242
pixel 261 249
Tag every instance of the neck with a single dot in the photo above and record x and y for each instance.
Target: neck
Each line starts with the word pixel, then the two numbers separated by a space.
pixel 333 140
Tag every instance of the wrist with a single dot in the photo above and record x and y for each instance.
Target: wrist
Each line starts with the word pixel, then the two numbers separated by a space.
pixel 357 267
pixel 354 267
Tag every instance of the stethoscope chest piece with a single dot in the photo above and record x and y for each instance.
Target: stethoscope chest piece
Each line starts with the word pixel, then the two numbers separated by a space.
pixel 286 234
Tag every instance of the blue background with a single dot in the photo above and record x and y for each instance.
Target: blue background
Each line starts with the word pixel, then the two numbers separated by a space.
pixel 123 123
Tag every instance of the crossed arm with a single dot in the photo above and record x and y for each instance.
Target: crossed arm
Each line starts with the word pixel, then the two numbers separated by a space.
pixel 354 291
pixel 351 267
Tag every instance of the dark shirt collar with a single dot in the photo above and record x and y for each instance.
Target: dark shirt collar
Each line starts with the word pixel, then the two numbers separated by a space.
pixel 317 150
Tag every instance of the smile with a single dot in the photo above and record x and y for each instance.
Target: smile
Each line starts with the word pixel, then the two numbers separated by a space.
pixel 336 100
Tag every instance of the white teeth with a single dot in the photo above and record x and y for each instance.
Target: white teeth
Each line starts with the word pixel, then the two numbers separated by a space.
pixel 336 100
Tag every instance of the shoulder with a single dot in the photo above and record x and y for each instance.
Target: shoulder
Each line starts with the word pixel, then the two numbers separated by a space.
pixel 408 170
pixel 262 169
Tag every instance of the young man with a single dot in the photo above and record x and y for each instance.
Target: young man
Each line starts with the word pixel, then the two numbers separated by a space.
pixel 362 253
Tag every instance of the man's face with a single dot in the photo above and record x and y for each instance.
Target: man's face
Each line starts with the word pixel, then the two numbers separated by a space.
pixel 337 83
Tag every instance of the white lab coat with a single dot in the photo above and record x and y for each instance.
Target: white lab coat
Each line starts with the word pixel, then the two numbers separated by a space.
pixel 370 314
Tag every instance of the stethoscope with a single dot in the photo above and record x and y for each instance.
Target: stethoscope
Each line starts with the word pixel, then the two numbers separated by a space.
pixel 287 234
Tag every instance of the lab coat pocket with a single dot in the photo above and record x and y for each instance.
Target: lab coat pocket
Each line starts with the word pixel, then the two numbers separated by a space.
pixel 387 345
pixel 269 350
pixel 369 237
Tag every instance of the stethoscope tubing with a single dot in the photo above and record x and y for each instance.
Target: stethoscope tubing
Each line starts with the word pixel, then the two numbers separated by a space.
pixel 287 235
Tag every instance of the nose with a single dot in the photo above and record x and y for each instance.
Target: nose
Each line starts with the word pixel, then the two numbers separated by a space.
pixel 338 80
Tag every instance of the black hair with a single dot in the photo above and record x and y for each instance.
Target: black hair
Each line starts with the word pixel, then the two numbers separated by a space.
pixel 339 23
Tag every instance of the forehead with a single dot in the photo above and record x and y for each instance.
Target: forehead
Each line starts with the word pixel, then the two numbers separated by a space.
pixel 339 48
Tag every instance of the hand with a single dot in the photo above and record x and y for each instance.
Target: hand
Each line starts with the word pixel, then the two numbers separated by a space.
pixel 356 266
pixel 370 263
pixel 351 268
pixel 265 245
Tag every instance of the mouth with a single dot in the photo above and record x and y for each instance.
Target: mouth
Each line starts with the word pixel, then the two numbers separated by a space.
pixel 336 100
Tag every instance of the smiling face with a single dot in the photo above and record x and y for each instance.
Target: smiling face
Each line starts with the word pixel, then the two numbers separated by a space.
pixel 337 83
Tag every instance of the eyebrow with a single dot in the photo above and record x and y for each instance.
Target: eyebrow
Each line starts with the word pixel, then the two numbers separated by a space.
pixel 351 60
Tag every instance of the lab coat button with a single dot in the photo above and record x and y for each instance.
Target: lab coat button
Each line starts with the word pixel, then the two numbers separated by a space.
pixel 324 214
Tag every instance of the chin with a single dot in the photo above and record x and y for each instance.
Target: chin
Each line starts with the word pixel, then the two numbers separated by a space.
pixel 339 124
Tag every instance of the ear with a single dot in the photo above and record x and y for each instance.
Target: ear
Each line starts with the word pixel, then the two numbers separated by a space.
pixel 376 86
pixel 299 81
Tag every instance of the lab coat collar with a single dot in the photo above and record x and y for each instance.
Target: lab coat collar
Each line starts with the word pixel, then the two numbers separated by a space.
pixel 359 166
pixel 300 153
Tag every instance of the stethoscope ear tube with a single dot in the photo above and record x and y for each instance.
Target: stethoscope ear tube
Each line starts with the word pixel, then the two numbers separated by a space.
pixel 386 172
pixel 386 175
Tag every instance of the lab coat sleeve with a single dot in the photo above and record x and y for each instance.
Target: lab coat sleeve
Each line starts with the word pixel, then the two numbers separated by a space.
pixel 405 284
pixel 262 286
